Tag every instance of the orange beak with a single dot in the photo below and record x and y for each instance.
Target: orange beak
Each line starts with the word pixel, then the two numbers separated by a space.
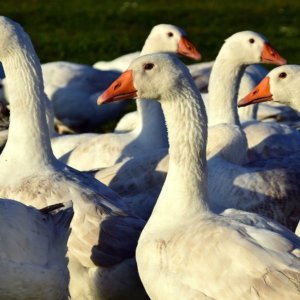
pixel 121 89
pixel 260 94
pixel 186 48
pixel 271 56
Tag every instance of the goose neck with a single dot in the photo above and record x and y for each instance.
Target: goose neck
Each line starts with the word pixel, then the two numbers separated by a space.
pixel 185 189
pixel 152 128
pixel 28 130
pixel 223 91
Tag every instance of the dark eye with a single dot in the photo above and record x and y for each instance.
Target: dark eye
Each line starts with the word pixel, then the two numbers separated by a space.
pixel 170 34
pixel 148 66
pixel 282 75
pixel 251 41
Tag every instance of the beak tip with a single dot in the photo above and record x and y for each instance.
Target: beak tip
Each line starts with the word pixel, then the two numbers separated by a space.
pixel 198 56
pixel 283 62
pixel 99 100
pixel 239 104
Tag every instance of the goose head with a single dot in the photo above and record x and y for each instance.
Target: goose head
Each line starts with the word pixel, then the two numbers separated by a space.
pixel 172 39
pixel 148 77
pixel 280 85
pixel 11 36
pixel 250 47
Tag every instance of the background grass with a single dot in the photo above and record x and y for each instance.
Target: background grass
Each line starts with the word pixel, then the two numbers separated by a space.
pixel 92 30
pixel 86 31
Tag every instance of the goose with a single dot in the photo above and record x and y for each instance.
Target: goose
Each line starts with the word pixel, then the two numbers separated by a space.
pixel 238 51
pixel 185 251
pixel 280 86
pixel 73 90
pixel 265 186
pixel 63 145
pixel 264 139
pixel 33 250
pixel 107 149
pixel 287 97
pixel 98 252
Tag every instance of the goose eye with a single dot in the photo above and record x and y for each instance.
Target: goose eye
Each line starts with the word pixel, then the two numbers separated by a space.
pixel 251 41
pixel 148 66
pixel 282 75
pixel 170 34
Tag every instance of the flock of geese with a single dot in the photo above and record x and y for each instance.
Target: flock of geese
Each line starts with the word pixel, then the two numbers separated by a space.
pixel 189 198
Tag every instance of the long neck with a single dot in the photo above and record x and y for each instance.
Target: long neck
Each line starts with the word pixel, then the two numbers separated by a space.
pixel 185 189
pixel 28 131
pixel 223 91
pixel 151 126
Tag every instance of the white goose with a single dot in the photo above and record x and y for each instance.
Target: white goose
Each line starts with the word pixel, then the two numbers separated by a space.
pixel 30 174
pixel 185 251
pixel 281 85
pixel 33 250
pixel 268 187
pixel 240 49
pixel 73 90
pixel 107 149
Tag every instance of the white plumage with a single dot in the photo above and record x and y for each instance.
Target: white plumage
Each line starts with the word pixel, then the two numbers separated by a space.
pixel 30 174
pixel 185 251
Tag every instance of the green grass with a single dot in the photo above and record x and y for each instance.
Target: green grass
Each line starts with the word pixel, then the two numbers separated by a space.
pixel 86 31
pixel 92 30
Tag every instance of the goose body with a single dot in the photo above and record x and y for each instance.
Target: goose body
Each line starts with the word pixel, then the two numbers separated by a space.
pixel 73 90
pixel 30 174
pixel 33 250
pixel 119 64
pixel 62 145
pixel 268 187
pixel 242 255
pixel 138 180
pixel 150 131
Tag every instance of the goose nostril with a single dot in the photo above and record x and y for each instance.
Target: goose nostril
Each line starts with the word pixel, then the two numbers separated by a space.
pixel 117 86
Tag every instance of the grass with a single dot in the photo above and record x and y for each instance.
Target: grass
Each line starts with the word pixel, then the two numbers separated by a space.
pixel 92 30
